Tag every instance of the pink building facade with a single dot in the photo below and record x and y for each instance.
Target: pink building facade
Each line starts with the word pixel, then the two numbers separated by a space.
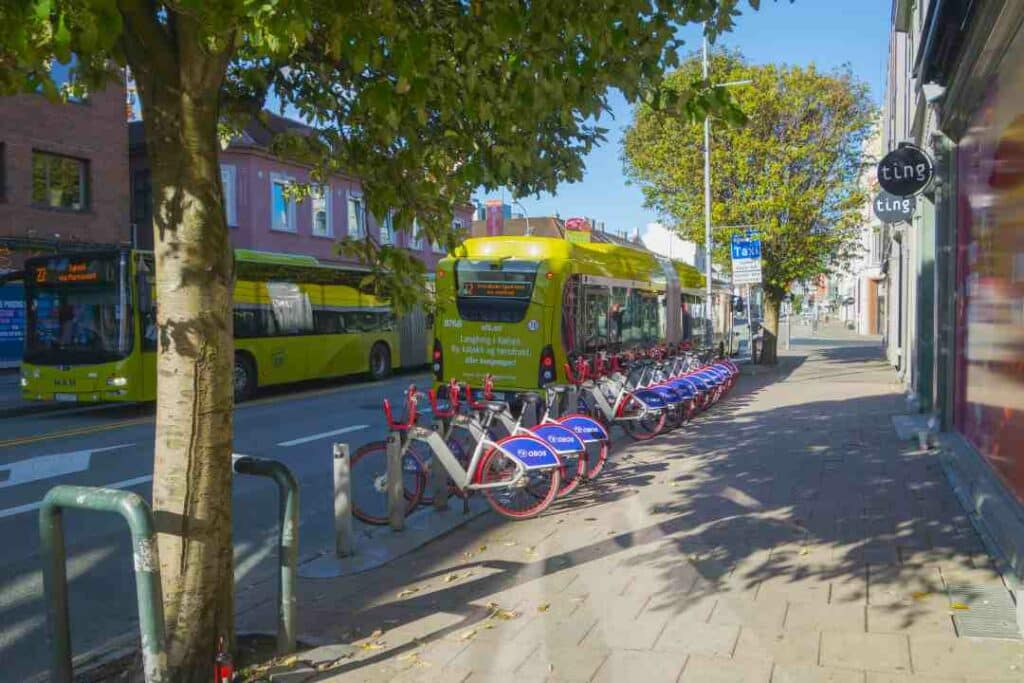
pixel 263 218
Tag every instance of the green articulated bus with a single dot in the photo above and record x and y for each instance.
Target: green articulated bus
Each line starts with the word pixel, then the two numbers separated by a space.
pixel 91 331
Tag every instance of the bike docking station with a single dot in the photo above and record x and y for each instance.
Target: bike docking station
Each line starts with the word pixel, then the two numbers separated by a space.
pixel 145 558
pixel 362 548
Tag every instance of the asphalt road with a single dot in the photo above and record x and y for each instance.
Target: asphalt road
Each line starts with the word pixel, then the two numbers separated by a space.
pixel 113 446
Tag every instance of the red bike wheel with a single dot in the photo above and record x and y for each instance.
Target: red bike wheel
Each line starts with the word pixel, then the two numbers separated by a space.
pixel 520 502
pixel 571 472
pixel 641 428
pixel 597 455
pixel 369 467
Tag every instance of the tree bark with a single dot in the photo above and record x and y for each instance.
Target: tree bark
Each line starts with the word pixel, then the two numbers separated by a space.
pixel 194 281
pixel 770 342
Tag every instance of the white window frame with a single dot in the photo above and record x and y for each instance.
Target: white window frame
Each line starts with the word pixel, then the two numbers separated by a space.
pixel 229 181
pixel 415 238
pixel 358 230
pixel 325 196
pixel 387 228
pixel 292 227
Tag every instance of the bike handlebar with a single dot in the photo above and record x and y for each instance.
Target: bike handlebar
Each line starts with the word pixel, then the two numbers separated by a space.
pixel 411 398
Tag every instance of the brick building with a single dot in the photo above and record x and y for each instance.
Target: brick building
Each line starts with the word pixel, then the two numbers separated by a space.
pixel 63 185
pixel 63 173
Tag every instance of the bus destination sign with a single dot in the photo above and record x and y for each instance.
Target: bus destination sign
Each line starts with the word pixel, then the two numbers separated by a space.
pixel 74 271
pixel 497 289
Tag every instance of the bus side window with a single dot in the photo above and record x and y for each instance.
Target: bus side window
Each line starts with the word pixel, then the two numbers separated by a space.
pixel 147 311
pixel 329 322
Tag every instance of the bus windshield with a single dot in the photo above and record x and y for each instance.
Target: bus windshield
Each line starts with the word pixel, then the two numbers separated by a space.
pixel 494 291
pixel 76 310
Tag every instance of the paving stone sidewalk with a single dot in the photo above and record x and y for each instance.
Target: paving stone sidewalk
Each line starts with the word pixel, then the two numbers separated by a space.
pixel 787 535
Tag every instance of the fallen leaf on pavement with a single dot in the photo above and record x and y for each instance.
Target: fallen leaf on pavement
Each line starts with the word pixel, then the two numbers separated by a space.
pixel 509 544
pixel 959 605
pixel 409 655
pixel 377 633
pixel 804 551
pixel 375 645
pixel 544 607
pixel 920 595
pixel 448 578
pixel 466 635
pixel 288 661
pixel 408 591
pixel 482 547
pixel 590 519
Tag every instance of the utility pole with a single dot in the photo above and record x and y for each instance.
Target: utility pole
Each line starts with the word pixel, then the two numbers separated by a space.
pixel 707 209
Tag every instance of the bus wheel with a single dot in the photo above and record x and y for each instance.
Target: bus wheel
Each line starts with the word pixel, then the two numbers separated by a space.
pixel 244 377
pixel 380 361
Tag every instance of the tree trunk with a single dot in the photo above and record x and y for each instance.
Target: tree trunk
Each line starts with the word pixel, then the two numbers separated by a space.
pixel 194 277
pixel 770 338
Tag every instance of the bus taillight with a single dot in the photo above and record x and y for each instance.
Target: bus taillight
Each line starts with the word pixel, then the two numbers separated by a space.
pixel 438 361
pixel 547 366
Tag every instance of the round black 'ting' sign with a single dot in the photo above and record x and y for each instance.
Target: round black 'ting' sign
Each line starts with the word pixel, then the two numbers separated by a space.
pixel 892 209
pixel 905 171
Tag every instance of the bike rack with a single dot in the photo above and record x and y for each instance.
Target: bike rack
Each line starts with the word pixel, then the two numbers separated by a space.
pixel 395 482
pixel 135 511
pixel 344 537
pixel 438 475
pixel 288 540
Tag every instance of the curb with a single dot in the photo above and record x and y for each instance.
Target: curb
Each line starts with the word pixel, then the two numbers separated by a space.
pixel 383 545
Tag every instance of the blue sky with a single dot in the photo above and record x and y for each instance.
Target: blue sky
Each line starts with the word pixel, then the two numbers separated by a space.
pixel 828 33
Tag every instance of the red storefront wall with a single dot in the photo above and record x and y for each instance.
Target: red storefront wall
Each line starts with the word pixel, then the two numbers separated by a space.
pixel 989 407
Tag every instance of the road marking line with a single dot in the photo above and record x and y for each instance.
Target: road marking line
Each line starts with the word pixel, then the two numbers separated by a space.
pixel 21 441
pixel 50 466
pixel 28 507
pixel 321 435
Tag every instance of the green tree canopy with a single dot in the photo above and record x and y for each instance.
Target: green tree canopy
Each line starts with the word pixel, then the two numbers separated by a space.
pixel 791 171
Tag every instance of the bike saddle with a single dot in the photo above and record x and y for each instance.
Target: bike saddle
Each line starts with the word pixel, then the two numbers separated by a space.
pixel 493 406
pixel 558 388
pixel 530 397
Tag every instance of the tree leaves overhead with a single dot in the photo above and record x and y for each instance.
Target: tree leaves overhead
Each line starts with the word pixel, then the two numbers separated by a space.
pixel 786 159
pixel 424 101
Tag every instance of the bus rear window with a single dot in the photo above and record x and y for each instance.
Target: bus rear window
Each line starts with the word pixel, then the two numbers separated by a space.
pixel 494 291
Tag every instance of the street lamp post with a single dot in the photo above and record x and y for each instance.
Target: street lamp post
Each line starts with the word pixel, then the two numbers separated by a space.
pixel 526 216
pixel 710 334
pixel 710 338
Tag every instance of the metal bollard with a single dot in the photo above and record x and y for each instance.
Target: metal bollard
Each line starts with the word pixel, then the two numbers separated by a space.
pixel 288 540
pixel 439 476
pixel 136 512
pixel 395 487
pixel 344 540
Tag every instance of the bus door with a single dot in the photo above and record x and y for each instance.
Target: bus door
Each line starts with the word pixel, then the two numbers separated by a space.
pixel 285 355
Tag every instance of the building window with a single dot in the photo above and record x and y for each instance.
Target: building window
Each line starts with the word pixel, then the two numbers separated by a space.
pixel 229 181
pixel 282 204
pixel 142 198
pixel 387 228
pixel 60 182
pixel 356 217
pixel 416 239
pixel 876 246
pixel 321 199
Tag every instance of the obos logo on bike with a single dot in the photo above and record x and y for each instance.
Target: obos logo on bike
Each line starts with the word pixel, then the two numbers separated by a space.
pixel 533 325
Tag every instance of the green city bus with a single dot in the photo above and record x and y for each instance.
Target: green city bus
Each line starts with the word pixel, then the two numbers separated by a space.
pixel 91 332
pixel 519 307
